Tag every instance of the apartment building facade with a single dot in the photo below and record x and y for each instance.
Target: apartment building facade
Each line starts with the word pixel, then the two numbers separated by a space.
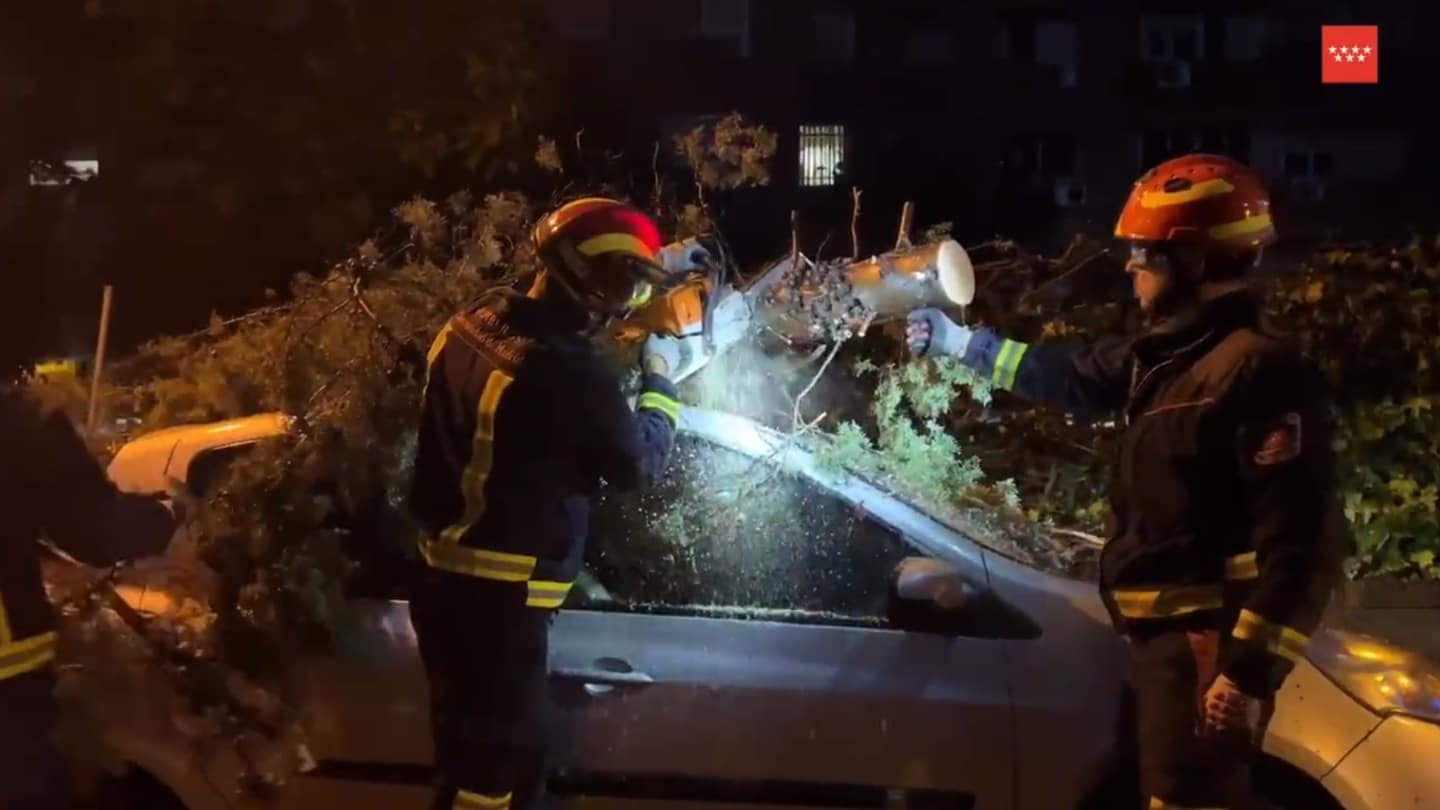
pixel 1012 116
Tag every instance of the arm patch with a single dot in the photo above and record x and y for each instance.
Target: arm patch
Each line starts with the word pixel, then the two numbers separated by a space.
pixel 1278 441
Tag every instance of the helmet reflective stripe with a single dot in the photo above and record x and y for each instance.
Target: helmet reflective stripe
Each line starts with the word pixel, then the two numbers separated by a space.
pixel 1208 188
pixel 614 243
pixel 1259 222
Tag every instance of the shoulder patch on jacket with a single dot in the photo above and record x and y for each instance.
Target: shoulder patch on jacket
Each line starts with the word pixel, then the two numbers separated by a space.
pixel 1279 442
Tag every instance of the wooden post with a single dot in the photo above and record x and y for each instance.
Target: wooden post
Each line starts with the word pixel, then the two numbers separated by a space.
pixel 855 222
pixel 907 218
pixel 99 358
pixel 794 236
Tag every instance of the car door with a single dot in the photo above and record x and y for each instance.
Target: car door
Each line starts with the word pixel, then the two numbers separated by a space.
pixel 729 647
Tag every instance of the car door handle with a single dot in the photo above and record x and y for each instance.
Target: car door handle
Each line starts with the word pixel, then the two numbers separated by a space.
pixel 603 676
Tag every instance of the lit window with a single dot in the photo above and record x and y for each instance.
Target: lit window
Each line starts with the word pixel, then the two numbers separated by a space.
pixel 63 173
pixel 822 154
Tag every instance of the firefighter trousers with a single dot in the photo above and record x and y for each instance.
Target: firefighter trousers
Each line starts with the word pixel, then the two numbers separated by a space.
pixel 484 654
pixel 1179 766
pixel 32 770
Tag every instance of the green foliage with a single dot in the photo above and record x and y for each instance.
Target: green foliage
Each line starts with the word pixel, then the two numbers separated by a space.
pixel 1368 317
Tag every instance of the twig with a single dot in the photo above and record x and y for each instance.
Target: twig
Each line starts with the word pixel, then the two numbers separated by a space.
pixel 907 217
pixel 1077 268
pixel 655 170
pixel 794 239
pixel 855 222
pixel 1076 534
pixel 795 415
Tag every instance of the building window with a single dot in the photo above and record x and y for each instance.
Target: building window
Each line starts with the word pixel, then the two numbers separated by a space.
pixel 822 154
pixel 579 19
pixel 63 173
pixel 1057 46
pixel 1172 38
pixel 1244 37
pixel 928 46
pixel 832 35
pixel 1309 164
pixel 1160 146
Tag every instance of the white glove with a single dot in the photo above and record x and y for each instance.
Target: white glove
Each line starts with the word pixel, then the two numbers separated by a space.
pixel 929 333
pixel 682 356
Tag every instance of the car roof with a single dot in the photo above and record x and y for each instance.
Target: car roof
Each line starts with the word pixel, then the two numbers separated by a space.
pixel 147 462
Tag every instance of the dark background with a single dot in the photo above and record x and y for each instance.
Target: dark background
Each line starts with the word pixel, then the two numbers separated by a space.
pixel 241 143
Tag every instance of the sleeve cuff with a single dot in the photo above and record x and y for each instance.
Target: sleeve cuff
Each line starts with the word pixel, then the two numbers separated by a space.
pixel 650 382
pixel 1262 653
pixel 657 393
pixel 981 350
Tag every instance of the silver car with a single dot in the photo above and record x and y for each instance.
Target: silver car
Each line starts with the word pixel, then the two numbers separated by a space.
pixel 737 641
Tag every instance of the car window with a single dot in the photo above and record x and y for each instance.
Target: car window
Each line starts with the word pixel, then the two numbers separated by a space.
pixel 207 469
pixel 727 534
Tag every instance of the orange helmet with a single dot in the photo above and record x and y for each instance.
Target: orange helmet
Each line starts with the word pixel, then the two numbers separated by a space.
pixel 1212 201
pixel 602 251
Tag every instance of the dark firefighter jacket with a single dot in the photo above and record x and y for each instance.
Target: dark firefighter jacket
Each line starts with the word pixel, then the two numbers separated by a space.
pixel 50 485
pixel 1222 496
pixel 520 423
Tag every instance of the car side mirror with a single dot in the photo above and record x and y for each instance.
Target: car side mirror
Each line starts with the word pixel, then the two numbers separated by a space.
pixel 925 579
pixel 932 596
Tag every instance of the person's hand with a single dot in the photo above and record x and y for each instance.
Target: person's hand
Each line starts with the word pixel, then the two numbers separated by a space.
pixel 660 355
pixel 929 333
pixel 1229 711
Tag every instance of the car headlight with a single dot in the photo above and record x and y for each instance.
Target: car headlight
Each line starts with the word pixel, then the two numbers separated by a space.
pixel 1386 678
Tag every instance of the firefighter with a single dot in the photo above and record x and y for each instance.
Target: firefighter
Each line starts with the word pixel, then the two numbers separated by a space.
pixel 1226 538
pixel 50 486
pixel 520 423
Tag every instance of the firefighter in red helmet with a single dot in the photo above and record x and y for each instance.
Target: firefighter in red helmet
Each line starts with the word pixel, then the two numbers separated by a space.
pixel 520 423
pixel 1226 537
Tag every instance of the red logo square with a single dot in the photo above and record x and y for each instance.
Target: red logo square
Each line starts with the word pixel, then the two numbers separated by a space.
pixel 1349 54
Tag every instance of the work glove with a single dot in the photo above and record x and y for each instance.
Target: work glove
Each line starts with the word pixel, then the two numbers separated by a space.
pixel 1230 712
pixel 678 357
pixel 929 333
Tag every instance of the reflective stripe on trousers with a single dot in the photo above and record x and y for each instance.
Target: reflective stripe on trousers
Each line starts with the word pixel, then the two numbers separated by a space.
pixel 1180 600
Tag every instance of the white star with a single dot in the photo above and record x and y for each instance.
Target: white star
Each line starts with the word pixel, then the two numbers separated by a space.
pixel 1338 57
pixel 1362 57
pixel 1332 49
pixel 1349 57
pixel 1367 49
pixel 1344 48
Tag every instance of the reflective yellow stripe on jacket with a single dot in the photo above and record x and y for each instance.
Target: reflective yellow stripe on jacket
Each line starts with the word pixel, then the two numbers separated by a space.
pixel 482 454
pixel 26 655
pixel 1181 600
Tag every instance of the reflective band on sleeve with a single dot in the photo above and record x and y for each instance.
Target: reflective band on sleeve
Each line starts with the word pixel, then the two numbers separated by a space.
pixel 20 657
pixel 1286 642
pixel 1241 566
pixel 482 450
pixel 658 401
pixel 1135 603
pixel 1007 363
pixel 477 562
pixel 465 800
pixel 544 594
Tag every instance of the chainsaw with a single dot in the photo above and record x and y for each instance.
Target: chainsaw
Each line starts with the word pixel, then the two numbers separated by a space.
pixel 706 309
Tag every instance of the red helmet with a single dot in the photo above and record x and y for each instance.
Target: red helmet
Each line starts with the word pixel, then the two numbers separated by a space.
pixel 602 251
pixel 1212 201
